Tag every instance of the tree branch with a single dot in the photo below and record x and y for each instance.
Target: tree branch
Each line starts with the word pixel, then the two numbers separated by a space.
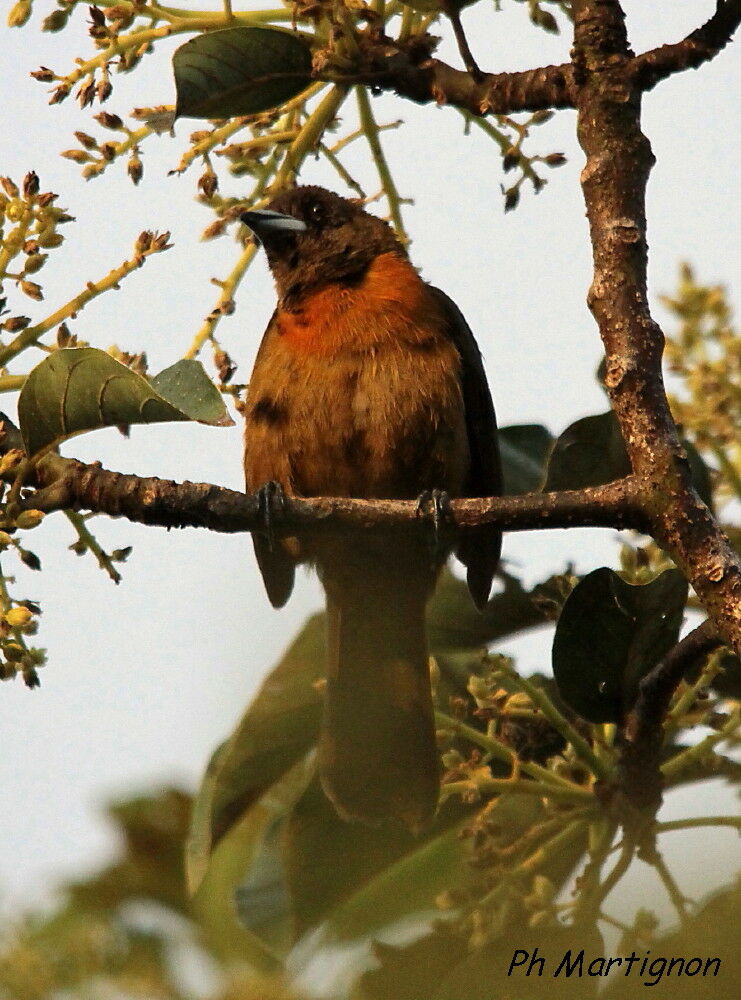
pixel 409 70
pixel 701 45
pixel 619 160
pixel 65 483
pixel 643 735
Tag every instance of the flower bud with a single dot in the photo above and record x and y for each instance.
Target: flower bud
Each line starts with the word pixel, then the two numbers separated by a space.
pixel 19 14
pixel 555 159
pixel 44 74
pixel 32 290
pixel 18 617
pixel 14 324
pixel 135 168
pixel 30 184
pixel 34 263
pixel 28 519
pixel 49 239
pixel 56 20
pixel 511 199
pixel 108 120
pixel 10 188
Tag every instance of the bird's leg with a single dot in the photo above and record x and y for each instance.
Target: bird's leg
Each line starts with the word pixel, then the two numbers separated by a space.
pixel 452 9
pixel 271 501
pixel 440 501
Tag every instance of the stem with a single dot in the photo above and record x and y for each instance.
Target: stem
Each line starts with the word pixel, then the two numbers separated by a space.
pixel 343 172
pixel 370 128
pixel 502 752
pixel 672 889
pixel 226 298
pixel 496 786
pixel 621 866
pixel 674 769
pixel 590 892
pixel 91 543
pixel 310 134
pixel 11 383
pixel 698 821
pixel 92 290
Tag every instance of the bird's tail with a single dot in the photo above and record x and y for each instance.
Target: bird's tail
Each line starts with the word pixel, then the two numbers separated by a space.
pixel 377 752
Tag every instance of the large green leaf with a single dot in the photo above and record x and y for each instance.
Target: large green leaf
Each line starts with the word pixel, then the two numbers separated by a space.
pixel 590 452
pixel 239 71
pixel 710 931
pixel 529 964
pixel 327 860
pixel 246 867
pixel 276 731
pixel 609 635
pixel 524 449
pixel 81 389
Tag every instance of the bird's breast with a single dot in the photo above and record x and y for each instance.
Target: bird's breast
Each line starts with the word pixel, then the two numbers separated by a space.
pixel 391 302
pixel 358 392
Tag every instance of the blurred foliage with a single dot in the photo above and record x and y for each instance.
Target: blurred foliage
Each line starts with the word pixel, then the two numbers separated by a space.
pixel 705 355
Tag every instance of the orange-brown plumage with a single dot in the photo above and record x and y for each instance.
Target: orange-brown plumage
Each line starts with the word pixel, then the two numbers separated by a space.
pixel 367 384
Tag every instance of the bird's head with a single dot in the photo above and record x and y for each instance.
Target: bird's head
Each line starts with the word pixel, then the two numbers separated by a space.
pixel 314 237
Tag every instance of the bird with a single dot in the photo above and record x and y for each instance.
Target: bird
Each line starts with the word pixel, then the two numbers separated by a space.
pixel 368 383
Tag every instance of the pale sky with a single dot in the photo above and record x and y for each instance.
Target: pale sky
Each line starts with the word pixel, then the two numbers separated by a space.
pixel 145 678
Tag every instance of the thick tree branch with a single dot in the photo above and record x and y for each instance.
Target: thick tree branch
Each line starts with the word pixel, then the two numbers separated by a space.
pixel 410 70
pixel 619 160
pixel 701 45
pixel 64 484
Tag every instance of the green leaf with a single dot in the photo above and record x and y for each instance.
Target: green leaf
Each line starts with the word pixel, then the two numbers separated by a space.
pixel 524 449
pixel 264 902
pixel 189 389
pixel 491 972
pixel 589 453
pixel 709 931
pixel 609 635
pixel 328 860
pixel 81 389
pixel 246 868
pixel 239 71
pixel 276 731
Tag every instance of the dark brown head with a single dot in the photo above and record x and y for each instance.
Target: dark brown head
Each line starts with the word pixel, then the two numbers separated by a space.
pixel 313 237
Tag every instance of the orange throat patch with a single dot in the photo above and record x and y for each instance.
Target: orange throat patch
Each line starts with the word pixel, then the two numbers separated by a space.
pixel 365 314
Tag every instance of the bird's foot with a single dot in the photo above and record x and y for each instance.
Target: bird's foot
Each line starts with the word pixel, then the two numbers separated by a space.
pixel 439 500
pixel 271 501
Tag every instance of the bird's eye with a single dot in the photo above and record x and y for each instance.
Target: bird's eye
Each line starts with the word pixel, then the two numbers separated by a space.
pixel 316 213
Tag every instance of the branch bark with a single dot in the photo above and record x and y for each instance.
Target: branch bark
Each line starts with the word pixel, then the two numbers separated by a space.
pixel 409 70
pixel 619 160
pixel 391 66
pixel 698 47
pixel 64 483
pixel 643 737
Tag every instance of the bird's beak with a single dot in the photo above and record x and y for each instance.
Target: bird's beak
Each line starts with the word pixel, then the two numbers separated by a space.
pixel 265 223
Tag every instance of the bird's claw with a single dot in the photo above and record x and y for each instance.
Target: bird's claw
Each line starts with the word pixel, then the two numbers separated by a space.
pixel 440 502
pixel 271 501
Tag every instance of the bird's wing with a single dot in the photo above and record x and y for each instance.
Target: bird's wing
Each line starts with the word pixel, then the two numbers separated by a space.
pixel 276 565
pixel 478 548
